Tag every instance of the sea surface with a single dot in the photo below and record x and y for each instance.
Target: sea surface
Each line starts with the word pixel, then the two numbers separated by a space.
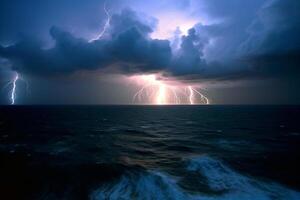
pixel 150 152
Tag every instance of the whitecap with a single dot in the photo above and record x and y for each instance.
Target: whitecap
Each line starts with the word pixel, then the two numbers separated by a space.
pixel 141 185
pixel 226 182
pixel 234 185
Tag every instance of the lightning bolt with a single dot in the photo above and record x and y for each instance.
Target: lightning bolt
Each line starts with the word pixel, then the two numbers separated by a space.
pixel 192 96
pixel 139 94
pixel 106 25
pixel 160 93
pixel 13 85
pixel 13 91
pixel 177 99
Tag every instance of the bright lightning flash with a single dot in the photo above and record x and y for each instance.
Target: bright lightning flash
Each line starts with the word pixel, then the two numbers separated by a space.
pixel 13 91
pixel 158 92
pixel 192 96
pixel 106 25
pixel 161 96
pixel 13 85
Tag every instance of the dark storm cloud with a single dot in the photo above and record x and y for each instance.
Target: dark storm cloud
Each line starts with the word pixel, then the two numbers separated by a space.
pixel 276 28
pixel 127 19
pixel 189 58
pixel 260 41
pixel 273 45
pixel 129 43
pixel 36 17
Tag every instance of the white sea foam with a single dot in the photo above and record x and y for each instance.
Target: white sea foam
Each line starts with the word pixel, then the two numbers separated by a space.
pixel 235 185
pixel 144 185
pixel 227 183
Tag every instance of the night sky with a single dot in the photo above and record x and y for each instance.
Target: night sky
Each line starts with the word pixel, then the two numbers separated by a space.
pixel 95 52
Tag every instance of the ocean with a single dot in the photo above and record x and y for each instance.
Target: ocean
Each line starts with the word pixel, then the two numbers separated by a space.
pixel 150 152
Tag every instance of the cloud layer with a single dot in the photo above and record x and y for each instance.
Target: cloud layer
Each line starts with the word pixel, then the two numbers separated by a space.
pixel 262 42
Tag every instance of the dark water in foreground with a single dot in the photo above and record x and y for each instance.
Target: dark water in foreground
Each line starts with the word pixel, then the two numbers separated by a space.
pixel 144 152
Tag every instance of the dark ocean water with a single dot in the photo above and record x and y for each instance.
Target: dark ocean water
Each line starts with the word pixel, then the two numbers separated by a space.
pixel 148 152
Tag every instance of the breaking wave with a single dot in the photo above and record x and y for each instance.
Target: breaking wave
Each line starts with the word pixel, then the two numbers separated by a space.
pixel 224 181
pixel 234 185
pixel 141 185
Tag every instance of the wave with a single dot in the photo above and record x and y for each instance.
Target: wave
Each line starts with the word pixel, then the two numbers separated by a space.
pixel 224 181
pixel 234 185
pixel 141 185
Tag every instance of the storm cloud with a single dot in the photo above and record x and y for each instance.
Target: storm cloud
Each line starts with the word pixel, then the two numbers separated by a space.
pixel 229 41
pixel 129 47
pixel 128 42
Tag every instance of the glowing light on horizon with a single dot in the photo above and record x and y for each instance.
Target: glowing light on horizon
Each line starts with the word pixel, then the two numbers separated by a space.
pixel 161 96
pixel 159 92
